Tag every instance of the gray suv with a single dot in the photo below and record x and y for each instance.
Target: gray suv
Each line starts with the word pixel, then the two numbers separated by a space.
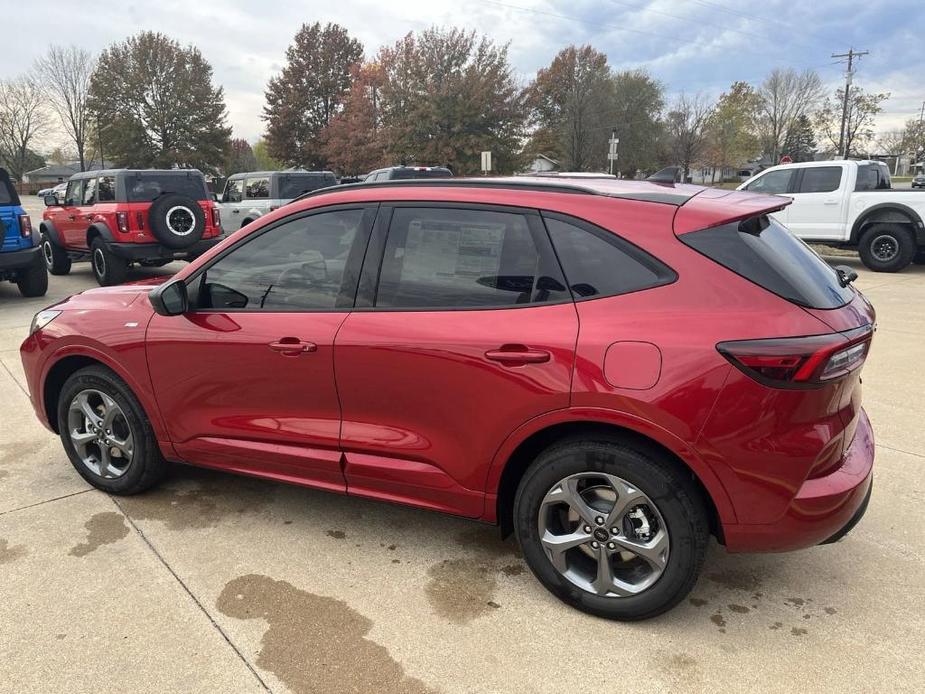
pixel 918 181
pixel 251 195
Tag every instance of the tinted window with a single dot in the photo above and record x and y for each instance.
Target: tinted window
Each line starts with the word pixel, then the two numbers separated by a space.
pixel 872 177
pixel 257 188
pixel 597 263
pixel 106 189
pixel 292 186
pixel 6 193
pixel 89 196
pixel 148 186
pixel 763 251
pixel 404 174
pixel 773 182
pixel 234 191
pixel 820 179
pixel 297 266
pixel 451 258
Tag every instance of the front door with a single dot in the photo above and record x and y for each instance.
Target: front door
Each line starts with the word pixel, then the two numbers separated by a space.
pixel 468 333
pixel 245 379
pixel 67 219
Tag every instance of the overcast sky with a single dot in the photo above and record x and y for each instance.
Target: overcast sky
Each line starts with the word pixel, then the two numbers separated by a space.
pixel 690 45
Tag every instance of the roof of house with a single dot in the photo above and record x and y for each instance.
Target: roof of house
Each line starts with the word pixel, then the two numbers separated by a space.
pixel 53 170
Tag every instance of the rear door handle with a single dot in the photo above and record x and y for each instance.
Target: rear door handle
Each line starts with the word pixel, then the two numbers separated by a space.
pixel 292 346
pixel 517 355
pixel 830 202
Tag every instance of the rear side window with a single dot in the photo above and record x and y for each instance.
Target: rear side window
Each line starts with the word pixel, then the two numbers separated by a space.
pixel 872 177
pixel 293 186
pixel 257 188
pixel 598 263
pixel 773 182
pixel 820 179
pixel 146 187
pixel 458 258
pixel 761 250
pixel 6 193
pixel 106 189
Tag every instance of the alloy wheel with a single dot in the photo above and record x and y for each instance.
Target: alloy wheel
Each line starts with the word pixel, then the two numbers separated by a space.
pixel 181 220
pixel 101 434
pixel 603 534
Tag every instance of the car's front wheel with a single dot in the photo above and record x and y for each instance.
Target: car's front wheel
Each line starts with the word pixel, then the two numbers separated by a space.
pixel 57 260
pixel 106 433
pixel 108 268
pixel 609 529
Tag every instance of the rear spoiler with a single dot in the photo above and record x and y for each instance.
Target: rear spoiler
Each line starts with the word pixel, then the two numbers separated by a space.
pixel 5 182
pixel 714 206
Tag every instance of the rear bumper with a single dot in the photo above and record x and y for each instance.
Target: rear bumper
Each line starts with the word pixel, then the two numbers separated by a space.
pixel 822 508
pixel 17 260
pixel 155 251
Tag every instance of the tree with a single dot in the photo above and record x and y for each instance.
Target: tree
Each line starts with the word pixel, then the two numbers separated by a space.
pixel 859 119
pixel 800 143
pixel 635 112
pixel 262 156
pixel 353 140
pixel 686 128
pixel 784 96
pixel 571 98
pixel 65 74
pixel 731 136
pixel 22 119
pixel 303 99
pixel 240 157
pixel 157 105
pixel 448 95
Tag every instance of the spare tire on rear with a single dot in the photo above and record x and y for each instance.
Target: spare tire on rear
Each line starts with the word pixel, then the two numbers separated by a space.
pixel 177 221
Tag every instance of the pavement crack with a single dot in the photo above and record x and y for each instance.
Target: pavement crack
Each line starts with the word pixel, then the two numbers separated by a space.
pixel 18 384
pixel 46 501
pixel 192 596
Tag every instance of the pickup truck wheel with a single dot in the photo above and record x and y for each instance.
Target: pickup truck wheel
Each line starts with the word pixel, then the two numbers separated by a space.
pixel 56 258
pixel 886 248
pixel 33 281
pixel 919 258
pixel 107 268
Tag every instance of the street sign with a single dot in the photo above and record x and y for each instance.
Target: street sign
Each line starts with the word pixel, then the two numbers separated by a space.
pixel 612 152
pixel 486 162
pixel 786 159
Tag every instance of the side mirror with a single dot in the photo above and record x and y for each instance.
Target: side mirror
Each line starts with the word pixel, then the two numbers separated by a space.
pixel 51 200
pixel 170 299
pixel 215 197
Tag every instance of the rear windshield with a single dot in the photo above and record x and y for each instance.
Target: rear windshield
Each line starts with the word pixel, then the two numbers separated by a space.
pixel 293 186
pixel 147 187
pixel 399 174
pixel 763 251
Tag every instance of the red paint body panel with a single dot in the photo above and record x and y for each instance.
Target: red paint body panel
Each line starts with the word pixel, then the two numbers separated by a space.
pixel 405 405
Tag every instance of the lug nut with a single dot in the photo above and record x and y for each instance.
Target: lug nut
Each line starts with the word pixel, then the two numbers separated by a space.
pixel 595 545
pixel 587 528
pixel 615 531
pixel 611 545
pixel 599 520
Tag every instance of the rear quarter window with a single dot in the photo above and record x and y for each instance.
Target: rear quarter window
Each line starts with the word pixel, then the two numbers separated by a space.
pixel 293 186
pixel 762 251
pixel 147 187
pixel 6 195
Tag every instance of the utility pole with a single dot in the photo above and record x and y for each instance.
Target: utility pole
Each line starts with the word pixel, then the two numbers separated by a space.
pixel 849 73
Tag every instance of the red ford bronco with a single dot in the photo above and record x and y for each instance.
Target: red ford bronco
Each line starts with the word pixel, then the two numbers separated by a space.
pixel 121 217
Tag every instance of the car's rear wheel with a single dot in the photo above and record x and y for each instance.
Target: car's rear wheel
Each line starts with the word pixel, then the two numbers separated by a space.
pixel 33 280
pixel 106 433
pixel 56 258
pixel 108 269
pixel 609 529
pixel 887 248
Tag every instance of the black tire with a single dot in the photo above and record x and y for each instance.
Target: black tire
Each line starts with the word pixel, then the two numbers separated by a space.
pixel 887 248
pixel 919 258
pixel 56 258
pixel 676 497
pixel 156 263
pixel 177 221
pixel 147 466
pixel 33 281
pixel 108 269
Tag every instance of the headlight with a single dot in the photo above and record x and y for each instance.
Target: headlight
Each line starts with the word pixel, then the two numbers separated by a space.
pixel 43 318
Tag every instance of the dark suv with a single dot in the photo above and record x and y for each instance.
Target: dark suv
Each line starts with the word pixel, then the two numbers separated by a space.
pixel 122 217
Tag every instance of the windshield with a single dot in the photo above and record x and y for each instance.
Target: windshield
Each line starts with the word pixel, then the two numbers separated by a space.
pixel 148 186
pixel 763 251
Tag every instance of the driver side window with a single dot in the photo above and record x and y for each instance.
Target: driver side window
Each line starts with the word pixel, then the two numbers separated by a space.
pixel 234 190
pixel 773 182
pixel 296 266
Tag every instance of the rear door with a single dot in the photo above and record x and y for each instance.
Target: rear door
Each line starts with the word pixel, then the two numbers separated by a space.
pixel 232 204
pixel 464 331
pixel 256 198
pixel 819 197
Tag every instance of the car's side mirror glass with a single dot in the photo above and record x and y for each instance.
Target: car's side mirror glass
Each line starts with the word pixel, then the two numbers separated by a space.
pixel 215 197
pixel 170 299
pixel 51 200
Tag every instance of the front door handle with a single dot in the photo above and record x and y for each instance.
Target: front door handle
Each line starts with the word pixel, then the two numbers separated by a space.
pixel 292 346
pixel 235 211
pixel 517 355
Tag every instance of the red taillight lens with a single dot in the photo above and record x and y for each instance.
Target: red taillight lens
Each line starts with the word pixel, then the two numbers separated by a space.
pixel 217 217
pixel 122 221
pixel 800 361
pixel 25 226
pixel 140 220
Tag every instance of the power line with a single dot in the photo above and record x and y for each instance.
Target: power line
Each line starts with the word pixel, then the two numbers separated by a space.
pixel 688 19
pixel 849 73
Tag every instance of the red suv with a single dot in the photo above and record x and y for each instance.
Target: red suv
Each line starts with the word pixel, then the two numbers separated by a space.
pixel 613 370
pixel 120 217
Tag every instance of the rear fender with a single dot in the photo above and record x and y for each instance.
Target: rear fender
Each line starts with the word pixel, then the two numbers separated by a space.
pixel 101 230
pixel 890 213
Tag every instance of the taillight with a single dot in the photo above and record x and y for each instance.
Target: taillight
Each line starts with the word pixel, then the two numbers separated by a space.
pixel 122 221
pixel 216 217
pixel 140 220
pixel 800 361
pixel 25 226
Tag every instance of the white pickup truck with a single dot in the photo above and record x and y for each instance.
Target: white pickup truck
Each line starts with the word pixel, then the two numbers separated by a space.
pixel 849 204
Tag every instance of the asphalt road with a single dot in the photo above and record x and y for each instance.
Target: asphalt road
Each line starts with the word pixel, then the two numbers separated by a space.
pixel 217 583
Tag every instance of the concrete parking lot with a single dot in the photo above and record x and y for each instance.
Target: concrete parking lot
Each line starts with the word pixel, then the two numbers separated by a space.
pixel 217 583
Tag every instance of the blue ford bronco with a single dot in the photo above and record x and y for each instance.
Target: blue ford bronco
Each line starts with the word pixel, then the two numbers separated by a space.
pixel 21 258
